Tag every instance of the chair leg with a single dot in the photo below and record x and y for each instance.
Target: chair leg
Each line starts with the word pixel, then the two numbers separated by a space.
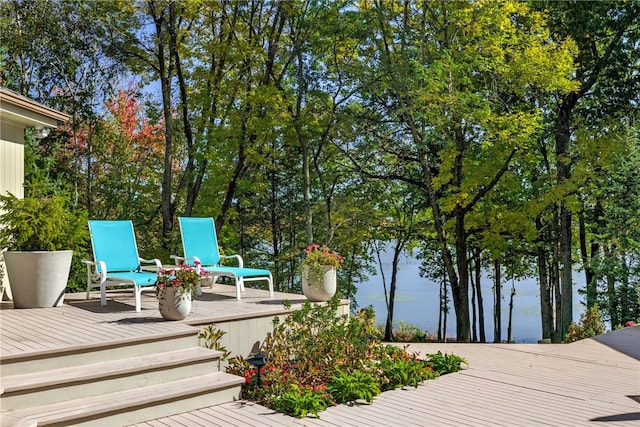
pixel 103 294
pixel 89 282
pixel 239 287
pixel 271 295
pixel 138 291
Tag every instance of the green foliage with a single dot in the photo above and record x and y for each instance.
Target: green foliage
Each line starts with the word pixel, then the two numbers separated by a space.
pixel 398 368
pixel 612 199
pixel 445 363
pixel 317 358
pixel 405 332
pixel 42 222
pixel 212 337
pixel 299 401
pixel 590 325
pixel 314 341
pixel 351 386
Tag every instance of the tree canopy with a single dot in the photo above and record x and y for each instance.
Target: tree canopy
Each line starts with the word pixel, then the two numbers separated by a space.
pixel 500 136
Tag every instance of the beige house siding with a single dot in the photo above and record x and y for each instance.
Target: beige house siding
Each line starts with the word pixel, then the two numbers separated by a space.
pixel 11 160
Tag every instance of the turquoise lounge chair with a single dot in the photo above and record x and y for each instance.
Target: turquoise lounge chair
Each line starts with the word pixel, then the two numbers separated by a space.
pixel 200 243
pixel 116 260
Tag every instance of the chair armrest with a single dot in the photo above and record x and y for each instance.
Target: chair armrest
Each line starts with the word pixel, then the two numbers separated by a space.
pixel 99 270
pixel 152 261
pixel 238 257
pixel 178 259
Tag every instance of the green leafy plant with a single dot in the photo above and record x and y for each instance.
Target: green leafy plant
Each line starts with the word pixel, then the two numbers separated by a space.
pixel 183 279
pixel 398 368
pixel 317 257
pixel 42 222
pixel 211 336
pixel 351 386
pixel 445 363
pixel 591 325
pixel 299 401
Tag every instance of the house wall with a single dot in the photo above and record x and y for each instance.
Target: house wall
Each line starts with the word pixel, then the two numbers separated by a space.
pixel 11 159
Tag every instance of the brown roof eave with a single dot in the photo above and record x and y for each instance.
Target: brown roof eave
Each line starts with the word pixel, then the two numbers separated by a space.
pixel 11 97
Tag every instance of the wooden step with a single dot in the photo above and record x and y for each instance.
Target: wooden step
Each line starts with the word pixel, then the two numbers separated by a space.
pixel 22 391
pixel 131 406
pixel 73 356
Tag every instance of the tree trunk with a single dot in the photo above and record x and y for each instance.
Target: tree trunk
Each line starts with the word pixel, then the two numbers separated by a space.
pixel 478 272
pixel 614 308
pixel 557 300
pixel 388 330
pixel 461 288
pixel 441 301
pixel 509 327
pixel 497 306
pixel 446 308
pixel 566 272
pixel 189 178
pixel 474 335
pixel 563 170
pixel 165 75
pixel 592 289
pixel 546 312
pixel 306 151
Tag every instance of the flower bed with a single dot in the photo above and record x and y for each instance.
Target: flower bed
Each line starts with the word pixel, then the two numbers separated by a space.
pixel 316 359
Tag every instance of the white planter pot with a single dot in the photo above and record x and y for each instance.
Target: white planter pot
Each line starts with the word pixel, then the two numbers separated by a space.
pixel 38 279
pixel 317 291
pixel 174 305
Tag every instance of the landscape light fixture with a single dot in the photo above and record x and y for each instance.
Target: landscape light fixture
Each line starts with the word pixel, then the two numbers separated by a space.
pixel 257 360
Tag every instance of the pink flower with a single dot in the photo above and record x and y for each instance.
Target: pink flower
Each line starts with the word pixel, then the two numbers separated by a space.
pixel 630 323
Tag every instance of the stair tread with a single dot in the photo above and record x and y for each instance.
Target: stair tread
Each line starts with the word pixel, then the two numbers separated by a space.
pixel 59 377
pixel 95 405
pixel 95 346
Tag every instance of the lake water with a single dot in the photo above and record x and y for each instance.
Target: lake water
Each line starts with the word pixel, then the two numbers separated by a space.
pixel 417 302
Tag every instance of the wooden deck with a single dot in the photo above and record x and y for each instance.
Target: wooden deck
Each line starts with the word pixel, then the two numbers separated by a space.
pixel 588 383
pixel 82 323
pixel 591 382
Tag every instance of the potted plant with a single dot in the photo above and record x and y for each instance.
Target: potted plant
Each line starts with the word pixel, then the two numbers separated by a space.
pixel 318 270
pixel 175 288
pixel 39 234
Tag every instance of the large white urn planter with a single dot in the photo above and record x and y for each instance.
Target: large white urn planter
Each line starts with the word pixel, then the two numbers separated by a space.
pixel 38 279
pixel 319 289
pixel 174 304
